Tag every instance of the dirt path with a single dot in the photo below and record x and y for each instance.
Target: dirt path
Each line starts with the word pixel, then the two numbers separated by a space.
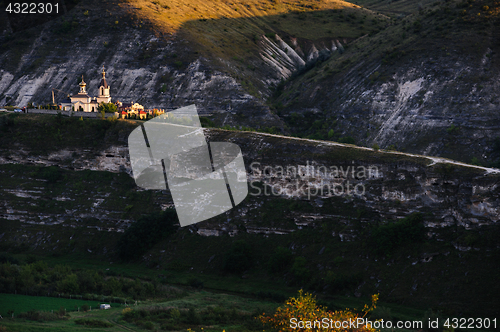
pixel 435 160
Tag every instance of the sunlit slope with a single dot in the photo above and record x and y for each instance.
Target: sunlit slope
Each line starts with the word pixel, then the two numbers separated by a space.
pixel 231 28
pixel 173 14
pixel 394 7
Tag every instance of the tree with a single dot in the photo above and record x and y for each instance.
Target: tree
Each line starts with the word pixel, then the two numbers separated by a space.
pixel 239 258
pixel 69 284
pixel 303 308
pixel 107 107
pixel 145 233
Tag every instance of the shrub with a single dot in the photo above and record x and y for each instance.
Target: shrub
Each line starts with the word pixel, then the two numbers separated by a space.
pixel 300 271
pixel 93 322
pixel 475 161
pixel 127 312
pixel 340 282
pixel 39 316
pixel 5 121
pixel 347 139
pixel 193 317
pixel 195 283
pixel 175 314
pixel 51 174
pixel 145 233
pixel 304 308
pixel 386 238
pixel 239 258
pixel 7 258
pixel 381 313
pixel 148 325
pixel 452 129
pixel 280 260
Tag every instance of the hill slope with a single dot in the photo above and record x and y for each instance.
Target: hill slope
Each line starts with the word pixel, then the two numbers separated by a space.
pixel 421 232
pixel 426 84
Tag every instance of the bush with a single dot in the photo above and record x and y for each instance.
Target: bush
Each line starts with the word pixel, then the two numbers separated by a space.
pixel 148 325
pixel 304 308
pixel 145 233
pixel 93 322
pixel 475 161
pixel 5 121
pixel 340 282
pixel 381 313
pixel 193 317
pixel 195 283
pixel 280 260
pixel 347 140
pixel 51 174
pixel 300 270
pixel 239 258
pixel 107 107
pixel 386 238
pixel 7 258
pixel 40 316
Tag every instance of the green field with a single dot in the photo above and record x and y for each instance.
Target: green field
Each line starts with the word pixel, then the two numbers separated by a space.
pixel 23 303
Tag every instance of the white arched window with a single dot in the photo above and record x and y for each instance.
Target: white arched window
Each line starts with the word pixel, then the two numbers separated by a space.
pixel 102 91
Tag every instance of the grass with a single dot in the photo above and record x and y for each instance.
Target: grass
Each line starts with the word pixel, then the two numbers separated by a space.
pixel 50 133
pixel 23 303
pixel 113 318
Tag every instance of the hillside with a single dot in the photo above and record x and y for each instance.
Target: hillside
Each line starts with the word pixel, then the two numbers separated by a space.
pixel 75 198
pixel 426 84
pixel 419 77
pixel 410 83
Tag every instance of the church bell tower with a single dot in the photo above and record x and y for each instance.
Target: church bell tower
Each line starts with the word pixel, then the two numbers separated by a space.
pixel 103 95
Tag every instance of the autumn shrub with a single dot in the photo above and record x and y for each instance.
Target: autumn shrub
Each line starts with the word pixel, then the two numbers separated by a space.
pixel 304 308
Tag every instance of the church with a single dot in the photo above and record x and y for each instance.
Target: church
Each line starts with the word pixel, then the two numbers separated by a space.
pixel 83 102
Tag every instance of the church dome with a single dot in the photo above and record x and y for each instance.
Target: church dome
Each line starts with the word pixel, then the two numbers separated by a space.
pixel 82 83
